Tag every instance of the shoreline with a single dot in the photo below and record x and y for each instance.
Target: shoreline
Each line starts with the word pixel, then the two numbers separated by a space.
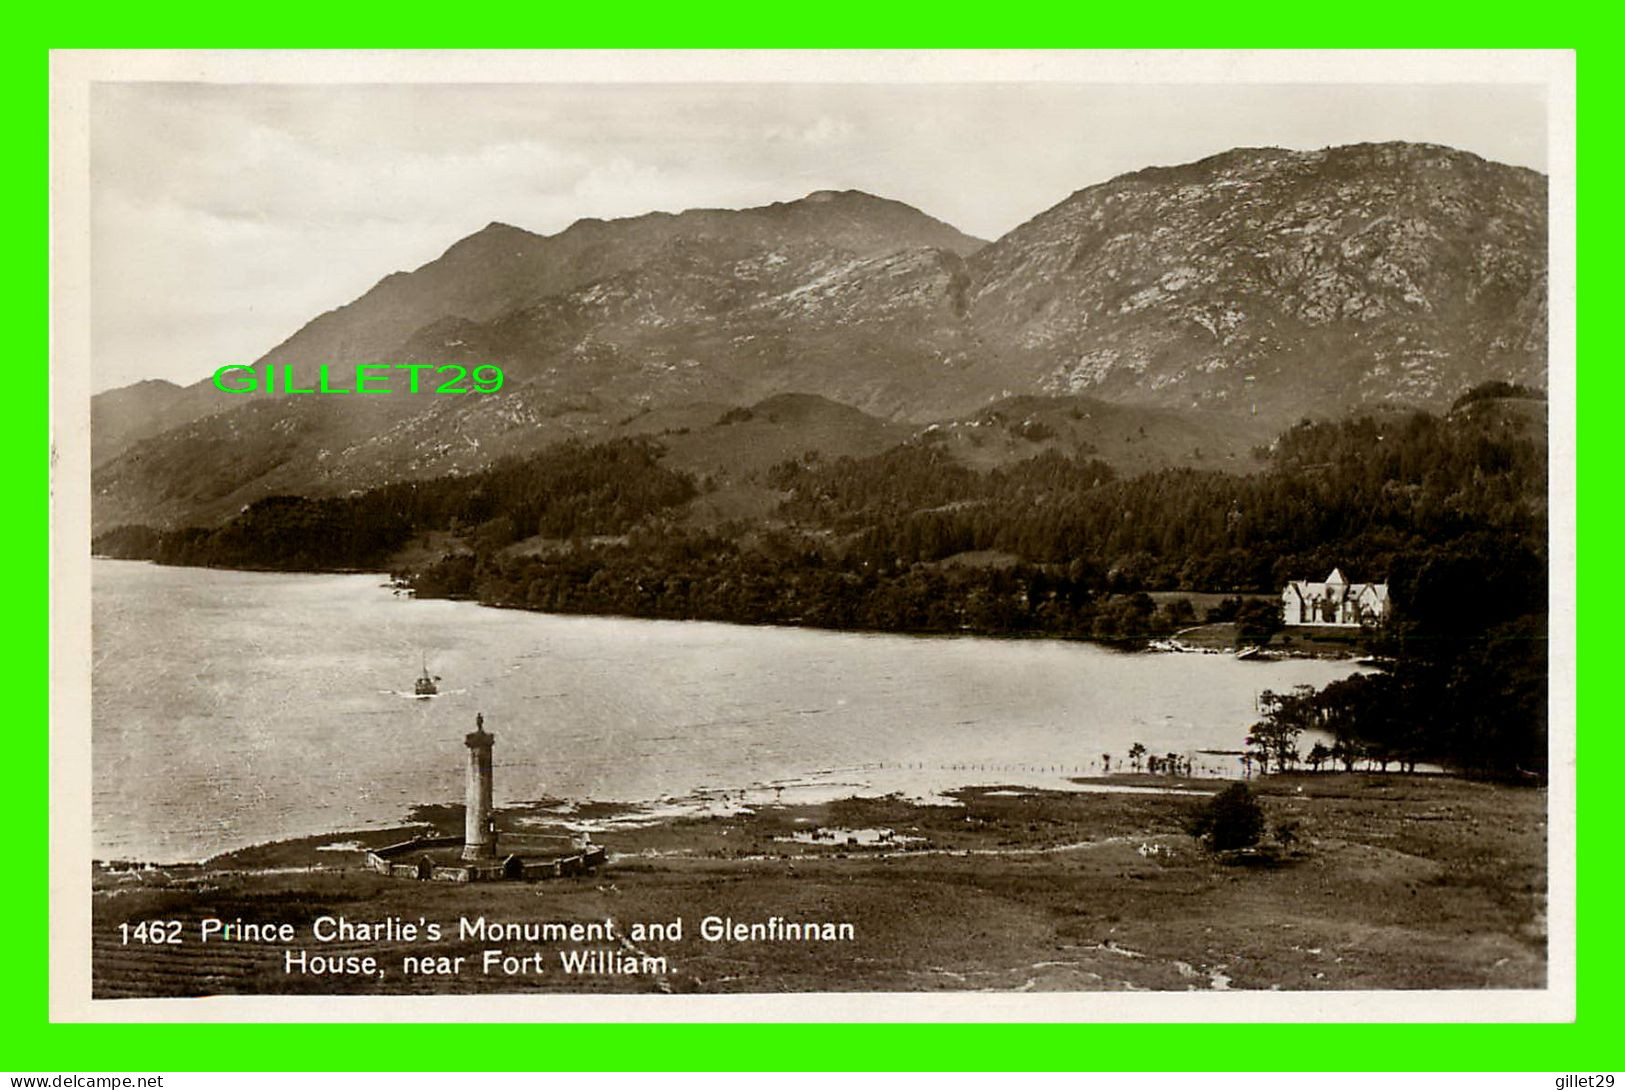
pixel 1388 881
pixel 601 817
pixel 904 785
pixel 1146 644
pixel 607 818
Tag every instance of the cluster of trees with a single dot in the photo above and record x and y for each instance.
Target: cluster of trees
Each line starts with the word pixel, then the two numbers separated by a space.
pixel 1476 704
pixel 1375 497
pixel 858 494
pixel 280 533
pixel 1466 680
pixel 571 490
pixel 1366 494
pixel 786 577
pixel 1167 764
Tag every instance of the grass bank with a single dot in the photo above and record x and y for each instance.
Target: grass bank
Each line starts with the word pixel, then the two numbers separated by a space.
pixel 1393 882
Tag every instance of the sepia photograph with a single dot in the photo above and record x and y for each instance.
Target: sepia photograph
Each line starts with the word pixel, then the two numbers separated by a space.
pixel 983 534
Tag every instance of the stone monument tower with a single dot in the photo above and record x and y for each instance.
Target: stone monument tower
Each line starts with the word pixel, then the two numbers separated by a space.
pixel 479 832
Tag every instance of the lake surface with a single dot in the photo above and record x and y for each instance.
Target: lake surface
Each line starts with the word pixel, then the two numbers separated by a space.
pixel 232 708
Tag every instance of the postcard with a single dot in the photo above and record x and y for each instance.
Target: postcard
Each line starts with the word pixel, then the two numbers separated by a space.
pixel 827 536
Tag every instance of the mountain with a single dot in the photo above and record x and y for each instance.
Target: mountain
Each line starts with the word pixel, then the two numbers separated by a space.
pixel 502 268
pixel 558 300
pixel 1297 282
pixel 123 417
pixel 1262 283
pixel 730 320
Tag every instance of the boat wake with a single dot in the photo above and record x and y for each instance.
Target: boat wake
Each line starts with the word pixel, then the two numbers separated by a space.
pixel 422 696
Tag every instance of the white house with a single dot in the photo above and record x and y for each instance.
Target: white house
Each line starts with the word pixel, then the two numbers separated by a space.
pixel 1336 601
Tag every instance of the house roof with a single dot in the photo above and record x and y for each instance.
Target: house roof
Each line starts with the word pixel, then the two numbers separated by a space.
pixel 1336 588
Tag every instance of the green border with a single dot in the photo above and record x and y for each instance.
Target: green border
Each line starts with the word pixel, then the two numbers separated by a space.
pixel 35 1044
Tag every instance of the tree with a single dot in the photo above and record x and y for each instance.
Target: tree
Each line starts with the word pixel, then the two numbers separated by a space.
pixel 1318 755
pixel 1383 717
pixel 1346 751
pixel 1231 819
pixel 1258 750
pixel 1286 715
pixel 1125 619
pixel 1258 622
pixel 1136 754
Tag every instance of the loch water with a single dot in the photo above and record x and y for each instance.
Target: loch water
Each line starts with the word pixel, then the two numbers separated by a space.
pixel 232 708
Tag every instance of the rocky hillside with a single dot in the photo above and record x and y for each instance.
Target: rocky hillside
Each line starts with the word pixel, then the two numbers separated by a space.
pixel 1263 283
pixel 1299 282
pixel 551 299
pixel 501 269
pixel 730 321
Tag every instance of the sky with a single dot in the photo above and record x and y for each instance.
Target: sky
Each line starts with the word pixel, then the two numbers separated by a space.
pixel 226 215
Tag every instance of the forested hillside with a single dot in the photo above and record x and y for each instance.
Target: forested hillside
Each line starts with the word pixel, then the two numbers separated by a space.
pixel 567 491
pixel 1370 495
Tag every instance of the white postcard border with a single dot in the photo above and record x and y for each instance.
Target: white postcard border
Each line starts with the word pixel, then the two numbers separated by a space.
pixel 72 72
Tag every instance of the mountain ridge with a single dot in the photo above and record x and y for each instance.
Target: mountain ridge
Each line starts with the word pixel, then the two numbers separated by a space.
pixel 1264 283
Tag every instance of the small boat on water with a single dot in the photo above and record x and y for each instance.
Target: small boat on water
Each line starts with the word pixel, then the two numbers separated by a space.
pixel 425 685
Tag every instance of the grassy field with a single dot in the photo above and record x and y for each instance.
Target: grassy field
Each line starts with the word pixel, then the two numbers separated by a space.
pixel 1324 640
pixel 1320 641
pixel 1391 882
